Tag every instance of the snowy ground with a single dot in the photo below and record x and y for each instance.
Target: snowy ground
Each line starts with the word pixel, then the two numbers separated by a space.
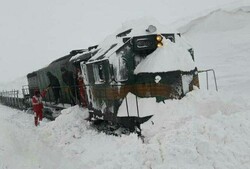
pixel 206 129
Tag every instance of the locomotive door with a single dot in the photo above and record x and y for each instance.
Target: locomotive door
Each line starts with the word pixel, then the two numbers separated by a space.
pixel 83 80
pixel 84 73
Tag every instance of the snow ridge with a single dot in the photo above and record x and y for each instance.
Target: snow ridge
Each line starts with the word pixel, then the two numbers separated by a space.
pixel 230 11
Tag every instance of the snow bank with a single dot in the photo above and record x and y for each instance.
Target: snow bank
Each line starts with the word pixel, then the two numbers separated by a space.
pixel 185 23
pixel 81 143
pixel 218 20
pixel 68 125
pixel 203 130
pixel 169 57
pixel 221 41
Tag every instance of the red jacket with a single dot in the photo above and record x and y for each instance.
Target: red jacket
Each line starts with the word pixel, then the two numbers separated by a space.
pixel 37 102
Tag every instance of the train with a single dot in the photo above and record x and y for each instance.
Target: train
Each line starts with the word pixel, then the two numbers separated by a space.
pixel 132 64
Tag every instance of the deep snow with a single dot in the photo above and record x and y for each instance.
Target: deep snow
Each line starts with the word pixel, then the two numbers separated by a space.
pixel 178 59
pixel 206 129
pixel 221 41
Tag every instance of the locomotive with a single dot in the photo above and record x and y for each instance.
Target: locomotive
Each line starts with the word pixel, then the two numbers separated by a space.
pixel 130 65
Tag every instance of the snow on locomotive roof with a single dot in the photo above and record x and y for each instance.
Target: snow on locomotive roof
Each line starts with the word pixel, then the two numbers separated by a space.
pixel 170 57
pixel 129 29
pixel 85 55
pixel 107 47
pixel 140 25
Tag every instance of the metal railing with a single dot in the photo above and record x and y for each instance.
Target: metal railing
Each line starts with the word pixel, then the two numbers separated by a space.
pixel 65 95
pixel 207 80
pixel 11 98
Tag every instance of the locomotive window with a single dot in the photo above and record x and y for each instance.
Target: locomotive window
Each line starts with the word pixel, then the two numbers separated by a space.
pixel 99 73
pixel 84 73
pixel 137 59
pixel 122 70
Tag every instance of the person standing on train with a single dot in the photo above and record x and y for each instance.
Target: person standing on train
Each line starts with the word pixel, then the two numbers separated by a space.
pixel 38 105
pixel 55 86
pixel 81 88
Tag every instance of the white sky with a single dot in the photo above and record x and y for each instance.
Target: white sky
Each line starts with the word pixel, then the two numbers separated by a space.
pixel 33 33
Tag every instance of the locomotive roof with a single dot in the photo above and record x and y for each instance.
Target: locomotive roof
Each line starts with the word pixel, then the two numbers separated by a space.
pixel 71 54
pixel 86 55
pixel 178 57
pixel 105 52
pixel 30 75
pixel 61 58
pixel 130 29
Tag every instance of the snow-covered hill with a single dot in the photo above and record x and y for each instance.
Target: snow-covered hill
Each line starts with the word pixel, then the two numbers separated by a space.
pixel 221 41
pixel 204 130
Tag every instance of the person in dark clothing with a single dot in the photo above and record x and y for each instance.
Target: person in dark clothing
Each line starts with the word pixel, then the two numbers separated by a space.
pixel 55 85
pixel 69 80
pixel 81 88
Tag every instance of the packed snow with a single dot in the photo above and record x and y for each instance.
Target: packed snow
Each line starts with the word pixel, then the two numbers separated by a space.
pixel 221 41
pixel 205 129
pixel 178 58
pixel 132 106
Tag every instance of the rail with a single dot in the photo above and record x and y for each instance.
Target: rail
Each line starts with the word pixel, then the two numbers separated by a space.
pixel 215 81
pixel 11 98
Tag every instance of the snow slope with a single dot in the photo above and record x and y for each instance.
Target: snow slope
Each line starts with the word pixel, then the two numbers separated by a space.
pixel 206 129
pixel 221 41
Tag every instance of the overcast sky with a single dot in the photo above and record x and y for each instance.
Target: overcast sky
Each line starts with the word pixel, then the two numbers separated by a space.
pixel 35 32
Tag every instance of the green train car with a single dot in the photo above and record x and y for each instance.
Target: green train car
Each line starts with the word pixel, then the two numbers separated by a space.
pixel 61 76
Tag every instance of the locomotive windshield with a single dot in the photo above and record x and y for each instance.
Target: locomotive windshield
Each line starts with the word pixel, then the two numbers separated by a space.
pixel 121 72
pixel 99 73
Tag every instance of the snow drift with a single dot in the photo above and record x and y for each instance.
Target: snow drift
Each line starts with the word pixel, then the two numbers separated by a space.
pixel 170 57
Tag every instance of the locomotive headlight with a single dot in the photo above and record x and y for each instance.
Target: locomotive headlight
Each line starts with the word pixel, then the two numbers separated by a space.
pixel 159 40
pixel 159 44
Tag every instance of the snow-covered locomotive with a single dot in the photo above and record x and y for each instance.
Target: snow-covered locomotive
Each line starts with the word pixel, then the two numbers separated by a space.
pixel 110 79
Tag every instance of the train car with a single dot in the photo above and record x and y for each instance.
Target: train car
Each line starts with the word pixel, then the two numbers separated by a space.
pixel 61 76
pixel 143 62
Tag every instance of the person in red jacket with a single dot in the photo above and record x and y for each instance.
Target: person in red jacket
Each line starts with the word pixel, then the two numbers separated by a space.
pixel 38 105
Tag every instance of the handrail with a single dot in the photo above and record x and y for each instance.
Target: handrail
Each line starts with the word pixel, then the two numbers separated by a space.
pixel 215 81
